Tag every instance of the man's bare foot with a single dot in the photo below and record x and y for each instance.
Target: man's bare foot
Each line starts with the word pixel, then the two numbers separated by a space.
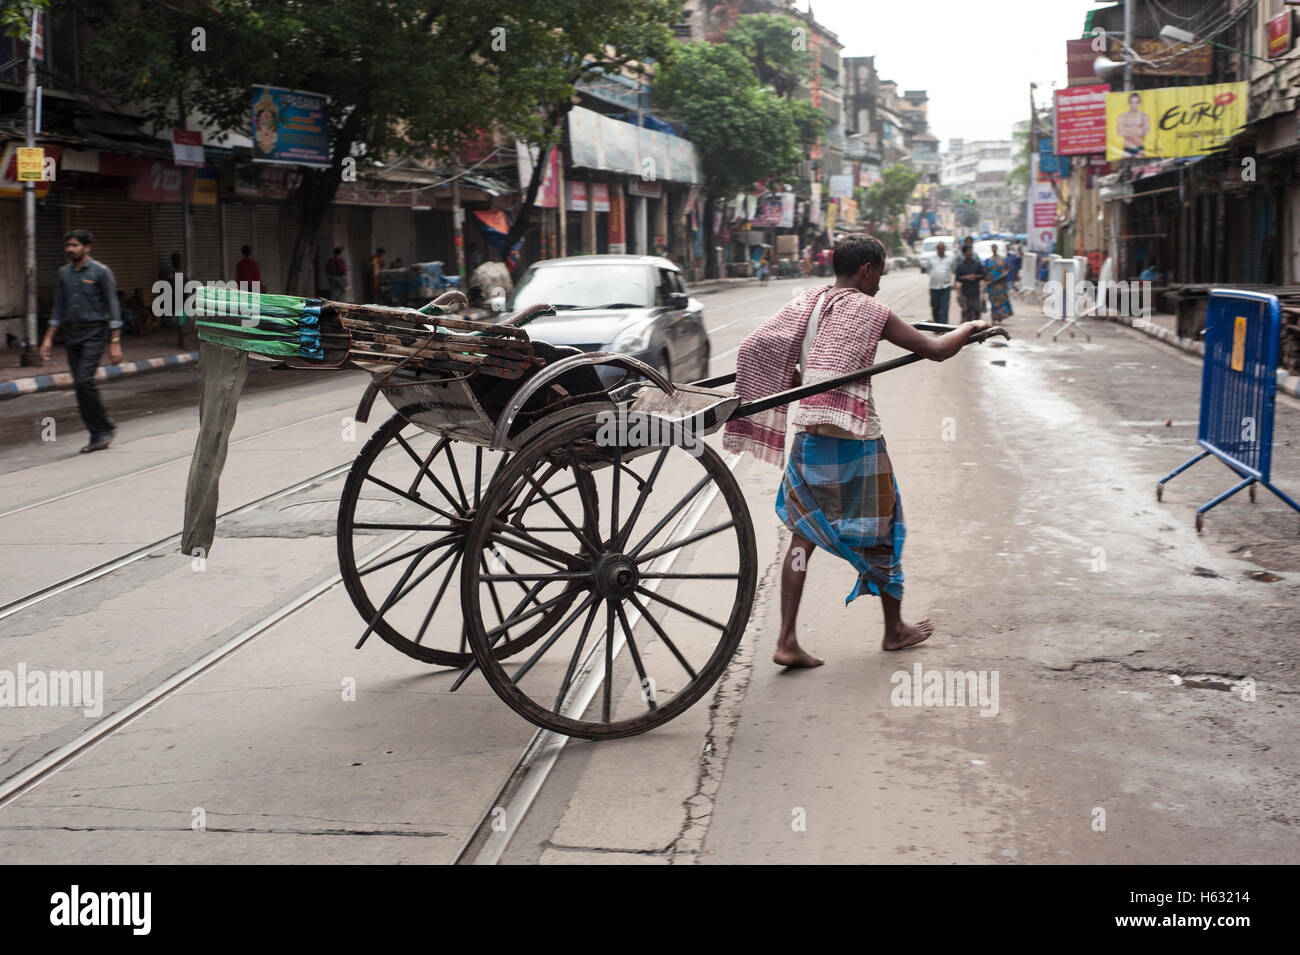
pixel 909 635
pixel 795 658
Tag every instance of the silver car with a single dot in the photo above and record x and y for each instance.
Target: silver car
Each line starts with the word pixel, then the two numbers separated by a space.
pixel 635 305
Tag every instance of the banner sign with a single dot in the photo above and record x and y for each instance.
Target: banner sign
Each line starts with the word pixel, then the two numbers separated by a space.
pixel 1041 211
pixel 577 197
pixel 769 215
pixel 290 126
pixel 602 142
pixel 187 147
pixel 1279 35
pixel 600 196
pixel 617 232
pixel 1171 60
pixel 31 164
pixel 1081 119
pixel 841 187
pixel 1173 121
pixel 1079 57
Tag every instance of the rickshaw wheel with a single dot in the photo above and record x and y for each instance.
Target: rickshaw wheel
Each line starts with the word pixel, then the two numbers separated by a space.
pixel 675 597
pixel 433 550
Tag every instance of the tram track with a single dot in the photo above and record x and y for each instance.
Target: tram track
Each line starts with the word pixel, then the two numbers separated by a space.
pixel 489 840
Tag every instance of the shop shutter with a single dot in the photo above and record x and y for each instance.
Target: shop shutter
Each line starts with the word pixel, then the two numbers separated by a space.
pixel 205 238
pixel 168 237
pixel 122 231
pixel 239 233
pixel 50 230
pixel 269 241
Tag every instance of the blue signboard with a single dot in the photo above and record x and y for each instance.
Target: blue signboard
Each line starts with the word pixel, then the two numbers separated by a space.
pixel 290 127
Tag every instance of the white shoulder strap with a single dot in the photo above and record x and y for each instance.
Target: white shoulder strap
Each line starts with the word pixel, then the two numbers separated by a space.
pixel 811 334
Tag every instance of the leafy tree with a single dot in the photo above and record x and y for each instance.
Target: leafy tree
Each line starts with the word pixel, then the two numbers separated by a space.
pixel 16 16
pixel 886 200
pixel 775 48
pixel 411 78
pixel 743 133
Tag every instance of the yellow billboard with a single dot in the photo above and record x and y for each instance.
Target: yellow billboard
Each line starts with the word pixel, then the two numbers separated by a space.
pixel 1173 121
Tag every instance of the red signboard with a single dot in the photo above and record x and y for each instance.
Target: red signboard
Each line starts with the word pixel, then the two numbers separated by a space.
pixel 1079 56
pixel 1279 35
pixel 600 196
pixel 1081 120
pixel 187 147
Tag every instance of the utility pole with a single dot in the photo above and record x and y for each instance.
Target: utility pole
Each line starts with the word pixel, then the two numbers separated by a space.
pixel 31 354
pixel 187 226
pixel 458 238
pixel 1128 44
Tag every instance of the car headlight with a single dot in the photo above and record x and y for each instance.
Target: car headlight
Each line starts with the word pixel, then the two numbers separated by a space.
pixel 633 339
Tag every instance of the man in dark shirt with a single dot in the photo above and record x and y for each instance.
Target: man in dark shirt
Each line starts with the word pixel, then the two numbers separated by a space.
pixel 87 309
pixel 968 275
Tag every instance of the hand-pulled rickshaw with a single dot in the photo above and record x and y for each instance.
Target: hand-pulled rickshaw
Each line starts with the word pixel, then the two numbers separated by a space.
pixel 578 544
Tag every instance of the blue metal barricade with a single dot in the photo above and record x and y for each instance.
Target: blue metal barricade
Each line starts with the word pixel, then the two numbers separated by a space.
pixel 1238 389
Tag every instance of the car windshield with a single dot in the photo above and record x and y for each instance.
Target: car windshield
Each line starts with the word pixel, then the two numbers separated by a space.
pixel 587 286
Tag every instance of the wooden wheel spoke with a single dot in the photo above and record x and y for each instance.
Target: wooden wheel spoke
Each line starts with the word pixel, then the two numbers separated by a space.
pixel 410 497
pixel 654 624
pixel 371 568
pixel 394 595
pixel 496 601
pixel 677 508
pixel 405 527
pixel 550 502
pixel 652 576
pixel 478 473
pixel 550 641
pixel 455 476
pixel 607 691
pixel 577 655
pixel 698 536
pixel 680 609
pixel 540 548
pixel 517 617
pixel 437 599
pixel 647 687
pixel 644 491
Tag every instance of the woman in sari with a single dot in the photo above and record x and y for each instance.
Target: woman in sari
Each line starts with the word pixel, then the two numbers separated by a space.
pixel 999 271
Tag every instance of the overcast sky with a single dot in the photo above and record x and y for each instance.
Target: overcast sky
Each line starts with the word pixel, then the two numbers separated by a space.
pixel 975 60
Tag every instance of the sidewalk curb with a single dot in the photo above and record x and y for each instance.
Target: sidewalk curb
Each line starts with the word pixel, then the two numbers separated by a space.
pixel 61 380
pixel 1286 383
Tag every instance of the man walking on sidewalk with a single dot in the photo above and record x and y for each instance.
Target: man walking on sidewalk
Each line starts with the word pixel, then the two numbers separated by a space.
pixel 941 267
pixel 969 273
pixel 87 309
pixel 839 491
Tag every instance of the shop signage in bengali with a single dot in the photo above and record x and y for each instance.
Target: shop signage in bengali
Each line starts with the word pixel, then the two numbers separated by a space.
pixel 617 231
pixel 577 197
pixel 640 187
pixel 187 147
pixel 31 164
pixel 1079 57
pixel 600 196
pixel 1279 35
pixel 1171 59
pixel 1081 119
pixel 1173 121
pixel 290 126
pixel 157 180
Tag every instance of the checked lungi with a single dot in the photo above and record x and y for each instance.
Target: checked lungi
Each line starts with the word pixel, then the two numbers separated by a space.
pixel 841 495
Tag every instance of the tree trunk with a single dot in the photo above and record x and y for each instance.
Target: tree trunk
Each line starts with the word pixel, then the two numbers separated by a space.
pixel 315 194
pixel 520 227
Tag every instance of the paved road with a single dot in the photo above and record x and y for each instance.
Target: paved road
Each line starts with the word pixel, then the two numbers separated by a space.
pixel 1121 642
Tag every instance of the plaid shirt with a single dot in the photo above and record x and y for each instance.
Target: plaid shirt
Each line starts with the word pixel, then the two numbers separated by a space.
pixel 848 332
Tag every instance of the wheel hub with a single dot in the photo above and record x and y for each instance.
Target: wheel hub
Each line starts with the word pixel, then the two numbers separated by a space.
pixel 616 576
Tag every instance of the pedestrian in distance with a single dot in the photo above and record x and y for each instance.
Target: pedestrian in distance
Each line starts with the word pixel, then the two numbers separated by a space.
pixel 998 270
pixel 336 275
pixel 839 492
pixel 941 277
pixel 969 273
pixel 87 309
pixel 247 270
